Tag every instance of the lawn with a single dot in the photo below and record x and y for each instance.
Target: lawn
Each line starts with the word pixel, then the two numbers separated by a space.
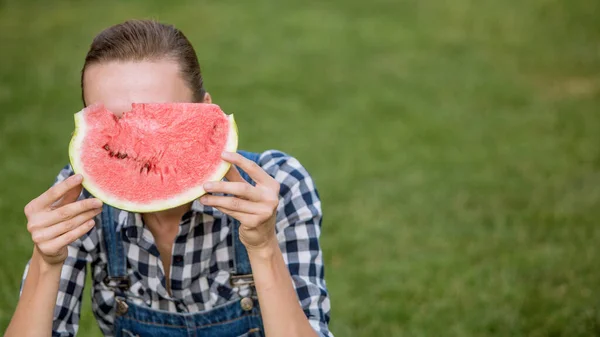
pixel 455 144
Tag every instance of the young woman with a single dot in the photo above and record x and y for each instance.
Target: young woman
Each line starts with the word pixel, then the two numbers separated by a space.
pixel 245 264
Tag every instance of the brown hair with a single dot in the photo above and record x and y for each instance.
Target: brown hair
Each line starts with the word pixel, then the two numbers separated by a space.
pixel 137 40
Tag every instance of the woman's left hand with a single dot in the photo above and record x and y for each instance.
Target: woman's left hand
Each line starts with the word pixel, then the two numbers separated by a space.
pixel 255 207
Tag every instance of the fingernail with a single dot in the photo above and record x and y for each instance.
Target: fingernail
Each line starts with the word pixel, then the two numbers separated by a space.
pixel 96 203
pixel 208 185
pixel 202 199
pixel 78 178
pixel 91 222
pixel 226 154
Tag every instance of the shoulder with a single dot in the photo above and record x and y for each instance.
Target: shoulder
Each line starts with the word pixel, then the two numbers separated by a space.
pixel 286 169
pixel 300 201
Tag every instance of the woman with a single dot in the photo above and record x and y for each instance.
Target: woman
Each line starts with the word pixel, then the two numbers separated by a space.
pixel 243 260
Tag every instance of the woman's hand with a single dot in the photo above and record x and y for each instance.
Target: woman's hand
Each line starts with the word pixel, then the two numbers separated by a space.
pixel 254 206
pixel 55 219
pixel 256 209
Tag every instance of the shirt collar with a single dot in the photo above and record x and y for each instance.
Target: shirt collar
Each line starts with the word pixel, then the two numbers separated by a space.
pixel 128 219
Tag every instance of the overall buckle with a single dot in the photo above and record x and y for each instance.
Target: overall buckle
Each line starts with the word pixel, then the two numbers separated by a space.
pixel 122 282
pixel 240 280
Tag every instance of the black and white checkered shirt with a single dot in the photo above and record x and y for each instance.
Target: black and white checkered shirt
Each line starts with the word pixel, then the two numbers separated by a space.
pixel 202 257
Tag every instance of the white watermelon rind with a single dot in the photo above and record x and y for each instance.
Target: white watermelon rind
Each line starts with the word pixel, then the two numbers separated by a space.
pixel 147 207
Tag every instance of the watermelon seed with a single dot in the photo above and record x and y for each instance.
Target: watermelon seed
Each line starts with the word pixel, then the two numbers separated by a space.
pixel 145 167
pixel 214 130
pixel 106 147
pixel 112 154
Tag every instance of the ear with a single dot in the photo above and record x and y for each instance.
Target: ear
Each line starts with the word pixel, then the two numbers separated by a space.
pixel 207 99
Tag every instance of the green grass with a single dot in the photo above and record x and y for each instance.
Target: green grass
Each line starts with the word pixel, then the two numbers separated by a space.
pixel 455 145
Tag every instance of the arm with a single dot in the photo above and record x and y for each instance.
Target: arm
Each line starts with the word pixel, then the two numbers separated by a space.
pixel 287 263
pixel 54 278
pixel 33 316
pixel 281 312
pixel 51 305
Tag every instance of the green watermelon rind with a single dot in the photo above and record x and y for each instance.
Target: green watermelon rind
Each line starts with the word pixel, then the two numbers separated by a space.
pixel 190 195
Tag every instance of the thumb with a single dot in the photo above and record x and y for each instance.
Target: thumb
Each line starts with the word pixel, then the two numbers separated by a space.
pixel 71 196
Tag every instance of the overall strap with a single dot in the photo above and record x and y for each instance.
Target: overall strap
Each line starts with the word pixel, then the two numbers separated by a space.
pixel 242 262
pixel 117 267
pixel 117 264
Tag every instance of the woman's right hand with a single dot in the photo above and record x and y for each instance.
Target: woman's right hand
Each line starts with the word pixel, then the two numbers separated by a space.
pixel 55 219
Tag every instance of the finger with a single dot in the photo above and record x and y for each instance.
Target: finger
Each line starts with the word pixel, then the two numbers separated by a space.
pixel 254 171
pixel 69 237
pixel 69 197
pixel 236 215
pixel 242 190
pixel 52 232
pixel 54 193
pixel 232 203
pixel 71 210
pixel 248 220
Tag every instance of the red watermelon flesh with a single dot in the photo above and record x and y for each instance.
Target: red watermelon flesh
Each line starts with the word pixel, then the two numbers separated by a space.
pixel 154 157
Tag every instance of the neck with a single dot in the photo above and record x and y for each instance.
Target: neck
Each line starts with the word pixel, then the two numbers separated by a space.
pixel 167 218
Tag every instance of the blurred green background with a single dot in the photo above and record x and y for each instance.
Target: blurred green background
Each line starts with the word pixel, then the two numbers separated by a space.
pixel 455 145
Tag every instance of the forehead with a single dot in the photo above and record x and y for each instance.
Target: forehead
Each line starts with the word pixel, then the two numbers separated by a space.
pixel 117 84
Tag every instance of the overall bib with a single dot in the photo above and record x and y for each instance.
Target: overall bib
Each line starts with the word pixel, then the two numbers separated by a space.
pixel 237 318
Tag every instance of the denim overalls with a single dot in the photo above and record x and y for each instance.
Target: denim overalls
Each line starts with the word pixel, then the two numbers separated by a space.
pixel 238 318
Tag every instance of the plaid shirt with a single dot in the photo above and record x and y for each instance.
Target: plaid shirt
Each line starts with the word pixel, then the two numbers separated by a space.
pixel 202 257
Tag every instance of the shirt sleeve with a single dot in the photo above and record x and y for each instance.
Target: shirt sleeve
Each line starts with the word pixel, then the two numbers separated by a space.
pixel 299 218
pixel 72 281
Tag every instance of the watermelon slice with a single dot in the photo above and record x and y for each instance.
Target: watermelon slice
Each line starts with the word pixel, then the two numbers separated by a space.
pixel 156 156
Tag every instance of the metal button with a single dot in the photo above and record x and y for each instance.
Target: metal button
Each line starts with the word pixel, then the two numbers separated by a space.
pixel 247 304
pixel 122 307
